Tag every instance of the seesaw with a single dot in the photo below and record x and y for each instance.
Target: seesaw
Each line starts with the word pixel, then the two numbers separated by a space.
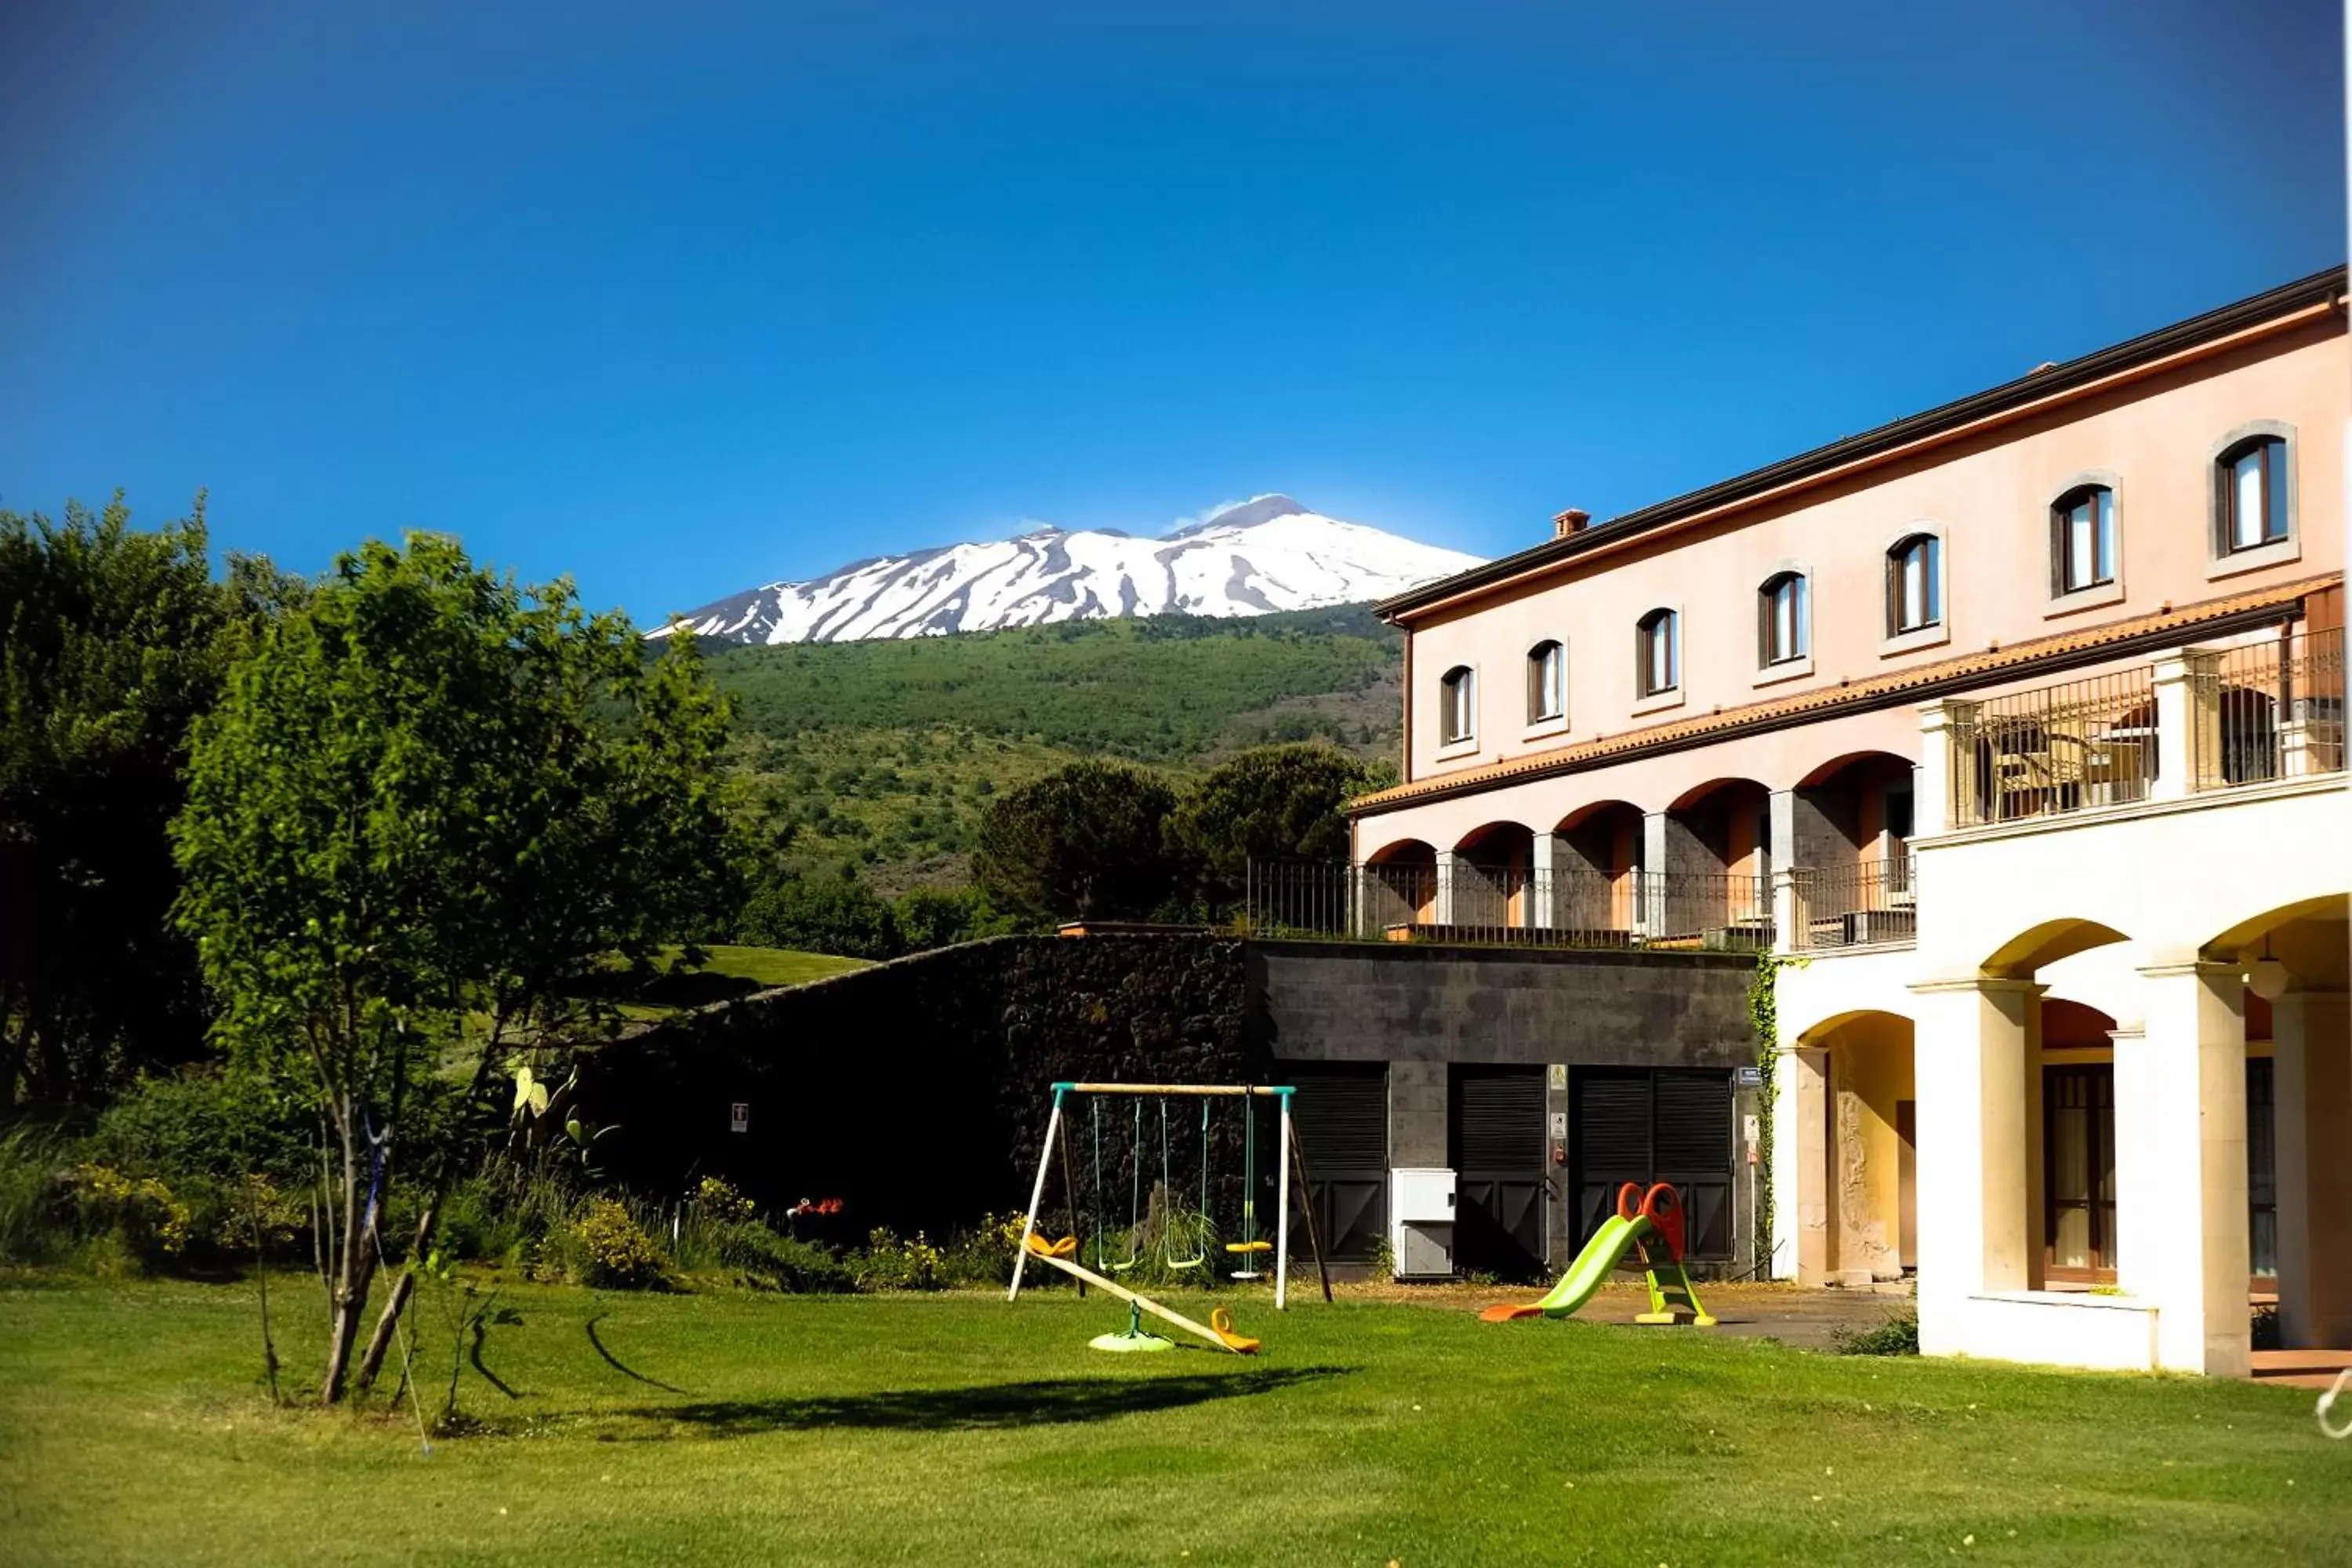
pixel 1058 1254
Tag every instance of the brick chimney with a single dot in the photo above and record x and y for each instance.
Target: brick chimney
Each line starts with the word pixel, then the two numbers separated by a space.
pixel 1572 520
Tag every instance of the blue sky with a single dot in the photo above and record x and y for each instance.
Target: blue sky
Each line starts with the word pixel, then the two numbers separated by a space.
pixel 678 299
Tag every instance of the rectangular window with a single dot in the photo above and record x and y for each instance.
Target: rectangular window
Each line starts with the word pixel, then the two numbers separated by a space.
pixel 2085 540
pixel 2253 496
pixel 1914 583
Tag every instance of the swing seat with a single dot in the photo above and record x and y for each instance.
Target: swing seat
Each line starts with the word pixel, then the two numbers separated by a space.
pixel 1066 1248
pixel 1249 1246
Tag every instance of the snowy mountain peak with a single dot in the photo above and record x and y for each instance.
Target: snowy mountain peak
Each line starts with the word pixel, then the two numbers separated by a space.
pixel 1266 553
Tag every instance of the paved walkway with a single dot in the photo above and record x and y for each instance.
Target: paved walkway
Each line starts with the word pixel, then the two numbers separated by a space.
pixel 1803 1318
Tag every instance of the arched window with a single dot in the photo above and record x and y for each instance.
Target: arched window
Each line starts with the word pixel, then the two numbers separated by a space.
pixel 1547 682
pixel 1914 583
pixel 1784 608
pixel 2083 540
pixel 2252 495
pixel 1658 652
pixel 1457 705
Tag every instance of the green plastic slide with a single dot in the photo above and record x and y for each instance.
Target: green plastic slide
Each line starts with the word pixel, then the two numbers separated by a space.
pixel 1594 1265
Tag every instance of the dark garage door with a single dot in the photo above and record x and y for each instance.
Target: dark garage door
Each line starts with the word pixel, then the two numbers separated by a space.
pixel 1645 1124
pixel 1341 1115
pixel 1495 1135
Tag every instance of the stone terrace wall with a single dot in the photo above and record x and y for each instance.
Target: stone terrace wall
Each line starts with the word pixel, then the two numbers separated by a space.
pixel 916 1089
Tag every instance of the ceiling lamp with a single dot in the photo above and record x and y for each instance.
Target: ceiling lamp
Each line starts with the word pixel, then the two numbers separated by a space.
pixel 2266 976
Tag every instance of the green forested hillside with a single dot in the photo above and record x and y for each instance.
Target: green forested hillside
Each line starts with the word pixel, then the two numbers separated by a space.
pixel 885 753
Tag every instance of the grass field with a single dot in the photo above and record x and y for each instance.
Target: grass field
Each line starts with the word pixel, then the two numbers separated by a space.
pixel 730 1427
pixel 731 972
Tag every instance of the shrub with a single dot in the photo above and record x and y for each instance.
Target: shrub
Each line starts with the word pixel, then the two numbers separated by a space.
pixel 141 1215
pixel 30 1225
pixel 984 1256
pixel 609 1250
pixel 1896 1334
pixel 889 1263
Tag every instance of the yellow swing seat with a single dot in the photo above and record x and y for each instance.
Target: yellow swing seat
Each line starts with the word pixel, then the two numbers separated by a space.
pixel 1249 1246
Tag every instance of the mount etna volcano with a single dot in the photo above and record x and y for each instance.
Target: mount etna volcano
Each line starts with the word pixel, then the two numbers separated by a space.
pixel 1266 554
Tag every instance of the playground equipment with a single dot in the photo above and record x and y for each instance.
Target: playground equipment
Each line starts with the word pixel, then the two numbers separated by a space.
pixel 1649 1223
pixel 1065 1254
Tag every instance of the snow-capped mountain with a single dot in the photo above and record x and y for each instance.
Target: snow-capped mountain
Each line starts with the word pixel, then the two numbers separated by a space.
pixel 1269 554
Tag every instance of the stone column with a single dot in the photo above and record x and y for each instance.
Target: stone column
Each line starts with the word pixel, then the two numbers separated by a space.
pixel 1786 1173
pixel 1546 866
pixel 2311 1034
pixel 2181 1166
pixel 1791 924
pixel 2188 722
pixel 1451 868
pixel 1946 768
pixel 1810 1152
pixel 1974 1046
pixel 1650 879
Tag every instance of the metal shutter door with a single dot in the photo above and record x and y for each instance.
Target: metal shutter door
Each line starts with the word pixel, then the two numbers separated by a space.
pixel 1341 1116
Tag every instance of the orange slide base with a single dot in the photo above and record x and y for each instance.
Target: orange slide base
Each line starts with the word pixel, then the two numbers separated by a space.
pixel 1508 1311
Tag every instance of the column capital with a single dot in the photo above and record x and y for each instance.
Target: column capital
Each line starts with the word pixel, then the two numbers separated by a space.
pixel 1982 984
pixel 1945 711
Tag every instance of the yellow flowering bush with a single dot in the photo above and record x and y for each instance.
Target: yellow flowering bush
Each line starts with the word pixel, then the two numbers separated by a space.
pixel 718 1200
pixel 152 1223
pixel 889 1263
pixel 609 1248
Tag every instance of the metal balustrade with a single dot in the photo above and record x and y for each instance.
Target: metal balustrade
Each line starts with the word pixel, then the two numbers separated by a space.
pixel 2271 710
pixel 1866 903
pixel 1514 906
pixel 2068 747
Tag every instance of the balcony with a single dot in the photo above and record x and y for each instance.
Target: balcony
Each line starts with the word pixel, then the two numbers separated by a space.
pixel 2201 720
pixel 1462 902
pixel 1870 903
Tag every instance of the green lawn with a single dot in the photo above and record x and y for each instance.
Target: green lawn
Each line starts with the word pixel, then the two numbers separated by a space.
pixel 730 1427
pixel 732 972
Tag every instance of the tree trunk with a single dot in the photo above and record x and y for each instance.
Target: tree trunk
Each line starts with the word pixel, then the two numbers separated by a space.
pixel 380 1342
pixel 351 1273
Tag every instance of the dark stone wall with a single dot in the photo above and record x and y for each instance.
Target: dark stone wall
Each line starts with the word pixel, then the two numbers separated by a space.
pixel 1408 1002
pixel 917 1090
pixel 1424 1008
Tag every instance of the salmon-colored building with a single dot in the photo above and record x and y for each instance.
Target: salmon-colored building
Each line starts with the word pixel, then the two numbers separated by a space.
pixel 2020 721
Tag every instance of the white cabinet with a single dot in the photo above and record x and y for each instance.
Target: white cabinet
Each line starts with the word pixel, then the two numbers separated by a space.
pixel 1421 1222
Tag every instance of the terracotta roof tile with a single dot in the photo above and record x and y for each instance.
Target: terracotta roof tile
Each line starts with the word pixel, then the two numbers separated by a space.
pixel 1867 693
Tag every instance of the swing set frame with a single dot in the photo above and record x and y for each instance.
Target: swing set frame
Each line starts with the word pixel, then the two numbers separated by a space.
pixel 1292 1163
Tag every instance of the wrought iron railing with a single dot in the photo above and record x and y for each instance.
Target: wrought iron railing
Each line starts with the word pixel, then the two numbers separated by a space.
pixel 1515 906
pixel 2061 748
pixel 2269 710
pixel 1856 905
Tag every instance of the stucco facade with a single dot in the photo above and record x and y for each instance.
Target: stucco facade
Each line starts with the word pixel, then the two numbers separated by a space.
pixel 2047 814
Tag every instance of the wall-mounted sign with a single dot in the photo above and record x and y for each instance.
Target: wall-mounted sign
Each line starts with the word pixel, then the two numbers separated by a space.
pixel 1558 1126
pixel 739 1117
pixel 1748 1078
pixel 1560 1075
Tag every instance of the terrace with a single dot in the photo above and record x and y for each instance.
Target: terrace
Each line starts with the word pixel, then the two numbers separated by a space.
pixel 1704 874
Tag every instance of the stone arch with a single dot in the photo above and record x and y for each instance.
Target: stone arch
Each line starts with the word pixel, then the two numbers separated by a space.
pixel 1854 1105
pixel 2029 949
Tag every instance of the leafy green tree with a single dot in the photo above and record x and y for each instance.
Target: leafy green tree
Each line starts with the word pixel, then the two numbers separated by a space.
pixel 937 917
pixel 1273 802
pixel 112 640
pixel 826 914
pixel 1085 842
pixel 430 807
